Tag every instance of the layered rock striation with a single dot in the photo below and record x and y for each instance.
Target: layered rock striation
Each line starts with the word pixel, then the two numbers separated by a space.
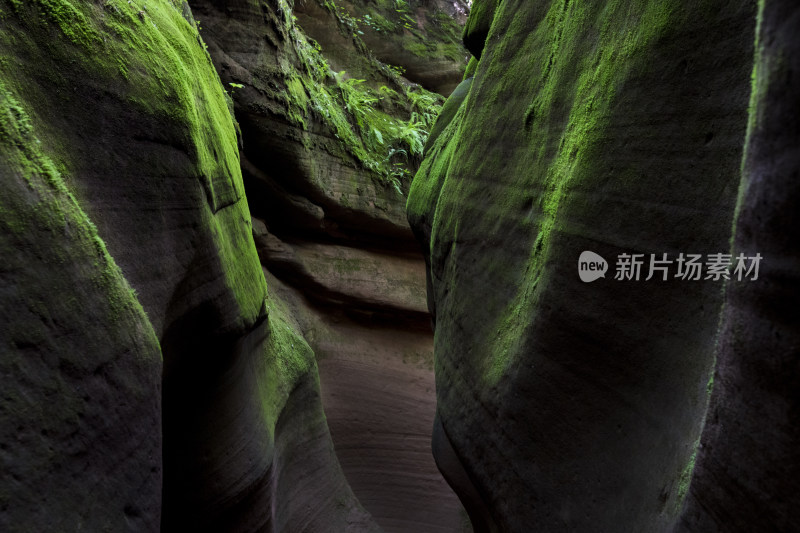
pixel 150 382
pixel 331 135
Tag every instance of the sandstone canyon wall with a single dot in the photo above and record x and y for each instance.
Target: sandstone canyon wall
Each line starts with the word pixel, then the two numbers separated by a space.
pixel 748 471
pixel 150 379
pixel 618 128
pixel 331 231
pixel 213 310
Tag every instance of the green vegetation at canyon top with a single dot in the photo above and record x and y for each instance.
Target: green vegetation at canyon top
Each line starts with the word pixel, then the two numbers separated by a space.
pixel 384 121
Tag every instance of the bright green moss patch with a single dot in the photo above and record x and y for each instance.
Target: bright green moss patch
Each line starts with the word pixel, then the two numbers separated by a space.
pixel 427 185
pixel 584 96
pixel 239 260
pixel 174 76
pixel 472 66
pixel 594 91
pixel 575 59
pixel 150 57
pixel 70 20
pixel 182 86
pixel 287 360
pixel 685 478
pixel 44 204
pixel 16 130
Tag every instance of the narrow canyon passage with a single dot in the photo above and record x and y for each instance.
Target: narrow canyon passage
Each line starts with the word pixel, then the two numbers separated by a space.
pixel 377 387
pixel 361 307
pixel 336 249
pixel 314 266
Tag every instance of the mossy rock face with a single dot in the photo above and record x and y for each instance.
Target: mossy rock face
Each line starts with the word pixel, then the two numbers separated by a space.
pixel 478 25
pixel 128 103
pixel 324 120
pixel 615 127
pixel 747 476
pixel 80 364
pixel 421 38
pixel 117 140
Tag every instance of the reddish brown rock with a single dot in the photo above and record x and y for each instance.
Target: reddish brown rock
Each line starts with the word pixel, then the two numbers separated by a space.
pixel 377 388
pixel 332 231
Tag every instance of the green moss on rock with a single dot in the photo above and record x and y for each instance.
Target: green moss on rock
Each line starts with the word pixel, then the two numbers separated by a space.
pixel 288 360
pixel 568 141
pixel 148 55
pixel 384 143
pixel 77 348
pixel 478 24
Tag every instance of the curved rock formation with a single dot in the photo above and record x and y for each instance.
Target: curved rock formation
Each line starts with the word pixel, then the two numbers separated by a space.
pixel 332 236
pixel 116 133
pixel 80 365
pixel 614 127
pixel 747 476
pixel 149 380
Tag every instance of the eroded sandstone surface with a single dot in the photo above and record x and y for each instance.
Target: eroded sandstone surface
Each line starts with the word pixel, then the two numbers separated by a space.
pixel 618 128
pixel 330 227
pixel 213 311
pixel 134 298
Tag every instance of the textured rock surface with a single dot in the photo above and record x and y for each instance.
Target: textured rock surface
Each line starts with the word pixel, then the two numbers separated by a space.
pixel 149 381
pixel 312 153
pixel 423 37
pixel 376 370
pixel 363 313
pixel 331 229
pixel 80 365
pixel 747 476
pixel 615 127
pixel 114 110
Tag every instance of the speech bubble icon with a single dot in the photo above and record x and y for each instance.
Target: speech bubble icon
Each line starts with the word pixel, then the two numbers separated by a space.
pixel 591 266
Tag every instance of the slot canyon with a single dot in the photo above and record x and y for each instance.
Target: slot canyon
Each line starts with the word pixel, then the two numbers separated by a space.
pixel 402 266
